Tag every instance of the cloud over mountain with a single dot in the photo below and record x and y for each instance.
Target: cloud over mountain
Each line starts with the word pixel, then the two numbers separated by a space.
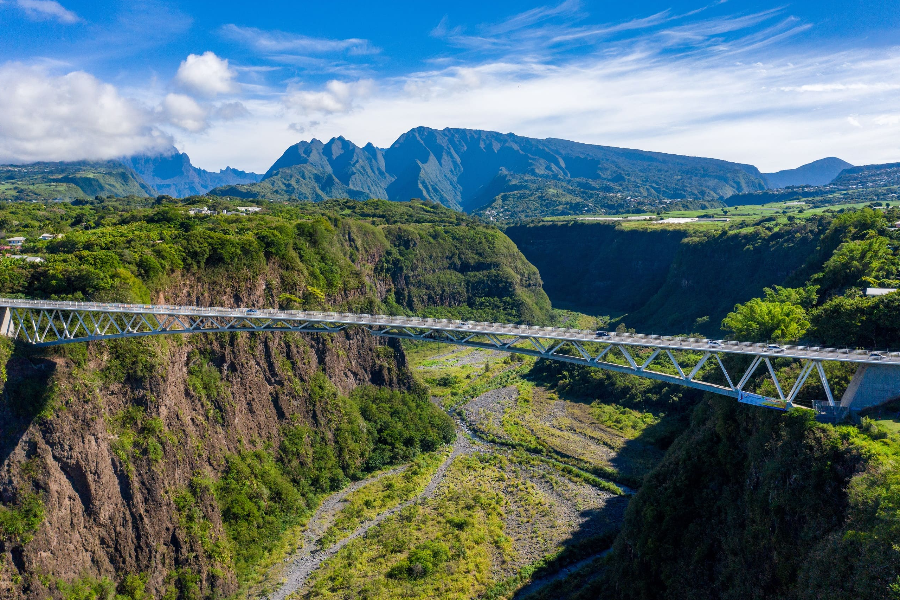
pixel 69 117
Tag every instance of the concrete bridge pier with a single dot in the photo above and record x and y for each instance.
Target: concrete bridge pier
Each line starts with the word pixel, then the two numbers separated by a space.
pixel 6 323
pixel 872 385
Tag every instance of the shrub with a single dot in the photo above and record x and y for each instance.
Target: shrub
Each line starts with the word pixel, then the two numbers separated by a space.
pixel 19 522
pixel 422 561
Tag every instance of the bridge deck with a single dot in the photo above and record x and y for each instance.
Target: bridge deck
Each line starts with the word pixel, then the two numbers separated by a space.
pixel 47 323
pixel 468 327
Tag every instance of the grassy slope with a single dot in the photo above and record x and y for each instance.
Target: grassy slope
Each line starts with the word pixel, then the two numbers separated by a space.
pixel 70 181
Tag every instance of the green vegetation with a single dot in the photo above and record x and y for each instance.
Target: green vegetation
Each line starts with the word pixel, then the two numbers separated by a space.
pixel 516 198
pixel 20 520
pixel 69 181
pixel 132 587
pixel 856 251
pixel 425 551
pixel 670 280
pixel 385 493
pixel 780 317
pixel 263 492
pixel 136 434
pixel 337 254
pixel 629 422
pixel 759 525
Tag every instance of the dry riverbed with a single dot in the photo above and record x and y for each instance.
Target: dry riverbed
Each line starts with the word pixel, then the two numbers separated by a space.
pixel 523 481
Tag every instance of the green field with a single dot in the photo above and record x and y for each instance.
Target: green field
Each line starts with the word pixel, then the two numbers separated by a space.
pixel 749 212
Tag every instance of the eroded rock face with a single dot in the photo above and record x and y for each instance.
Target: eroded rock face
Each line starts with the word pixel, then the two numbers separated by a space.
pixel 110 511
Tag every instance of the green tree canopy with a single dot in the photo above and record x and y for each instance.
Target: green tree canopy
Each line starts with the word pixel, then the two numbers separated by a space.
pixel 767 320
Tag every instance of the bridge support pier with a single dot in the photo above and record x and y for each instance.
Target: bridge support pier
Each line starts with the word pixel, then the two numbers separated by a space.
pixel 872 385
pixel 7 329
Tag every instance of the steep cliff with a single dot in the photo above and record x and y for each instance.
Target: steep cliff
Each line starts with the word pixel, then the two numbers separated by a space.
pixel 667 281
pixel 173 465
pixel 110 436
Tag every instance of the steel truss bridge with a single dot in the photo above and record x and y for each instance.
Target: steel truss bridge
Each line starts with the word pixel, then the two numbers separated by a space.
pixel 46 323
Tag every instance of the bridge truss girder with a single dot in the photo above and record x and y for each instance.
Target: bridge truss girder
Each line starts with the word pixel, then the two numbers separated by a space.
pixel 65 323
pixel 53 327
pixel 541 349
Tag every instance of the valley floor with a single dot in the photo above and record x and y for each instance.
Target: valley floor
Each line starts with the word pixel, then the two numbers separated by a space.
pixel 532 490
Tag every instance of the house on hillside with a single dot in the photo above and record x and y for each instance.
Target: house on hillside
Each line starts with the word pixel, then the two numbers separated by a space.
pixel 879 291
pixel 49 236
pixel 249 209
pixel 15 241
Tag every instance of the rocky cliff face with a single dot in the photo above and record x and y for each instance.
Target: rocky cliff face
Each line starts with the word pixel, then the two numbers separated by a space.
pixel 108 434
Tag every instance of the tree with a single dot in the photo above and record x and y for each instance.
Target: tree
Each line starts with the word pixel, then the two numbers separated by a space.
pixel 764 320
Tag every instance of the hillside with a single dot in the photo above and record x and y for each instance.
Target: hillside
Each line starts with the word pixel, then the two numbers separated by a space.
pixel 687 280
pixel 70 181
pixel 466 169
pixel 173 174
pixel 869 176
pixel 819 172
pixel 174 466
pixel 665 280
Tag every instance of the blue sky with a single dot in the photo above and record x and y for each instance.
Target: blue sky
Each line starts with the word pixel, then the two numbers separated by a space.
pixel 234 83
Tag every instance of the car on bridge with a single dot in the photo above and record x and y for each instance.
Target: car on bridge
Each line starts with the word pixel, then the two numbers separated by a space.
pixel 601 333
pixel 774 348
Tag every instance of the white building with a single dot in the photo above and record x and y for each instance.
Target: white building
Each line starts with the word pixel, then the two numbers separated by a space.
pixel 15 241
pixel 249 209
pixel 879 291
pixel 29 259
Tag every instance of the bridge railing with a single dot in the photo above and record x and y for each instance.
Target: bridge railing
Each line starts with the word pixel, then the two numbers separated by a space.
pixel 59 322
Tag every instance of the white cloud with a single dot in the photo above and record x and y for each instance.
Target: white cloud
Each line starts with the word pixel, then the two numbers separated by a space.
pixel 887 120
pixel 277 42
pixel 854 121
pixel 337 97
pixel 206 74
pixel 47 9
pixel 184 112
pixel 694 105
pixel 69 117
pixel 229 111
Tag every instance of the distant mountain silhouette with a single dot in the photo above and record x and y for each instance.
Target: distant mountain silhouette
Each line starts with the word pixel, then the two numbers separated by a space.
pixel 819 172
pixel 467 168
pixel 173 174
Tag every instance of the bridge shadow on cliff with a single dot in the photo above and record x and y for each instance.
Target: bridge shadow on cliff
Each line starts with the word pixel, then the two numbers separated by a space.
pixel 26 395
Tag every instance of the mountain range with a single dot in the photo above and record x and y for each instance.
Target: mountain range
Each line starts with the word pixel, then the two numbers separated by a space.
pixel 172 173
pixel 499 176
pixel 466 169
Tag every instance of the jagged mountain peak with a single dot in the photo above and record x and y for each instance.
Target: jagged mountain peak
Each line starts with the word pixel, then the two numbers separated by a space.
pixel 171 172
pixel 454 166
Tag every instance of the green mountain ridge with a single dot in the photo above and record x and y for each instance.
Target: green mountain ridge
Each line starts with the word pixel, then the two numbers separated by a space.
pixel 466 169
pixel 70 181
